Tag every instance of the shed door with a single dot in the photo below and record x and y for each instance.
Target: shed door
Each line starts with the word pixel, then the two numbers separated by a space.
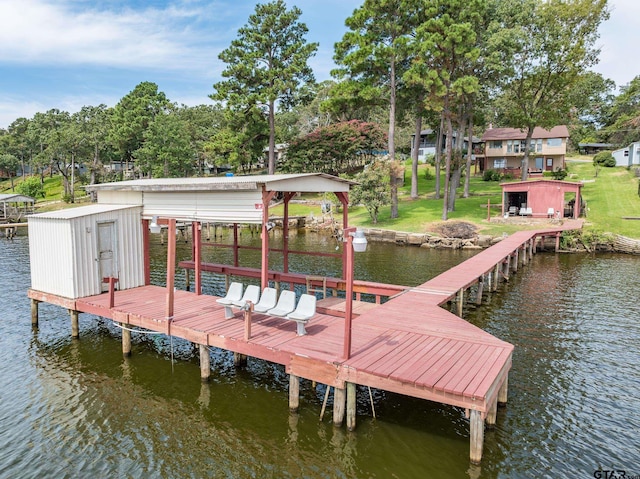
pixel 106 252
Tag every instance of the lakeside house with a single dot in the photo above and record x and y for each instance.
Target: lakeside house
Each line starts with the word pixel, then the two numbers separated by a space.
pixel 504 149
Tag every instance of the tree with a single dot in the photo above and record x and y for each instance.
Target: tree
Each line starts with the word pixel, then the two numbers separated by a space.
pixel 446 44
pixel 8 165
pixel 93 124
pixel 166 152
pixel 552 43
pixel 240 140
pixel 201 122
pixel 622 124
pixel 372 189
pixel 132 116
pixel 373 53
pixel 266 64
pixel 337 148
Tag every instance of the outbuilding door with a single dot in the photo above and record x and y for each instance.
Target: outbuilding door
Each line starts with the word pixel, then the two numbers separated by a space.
pixel 106 252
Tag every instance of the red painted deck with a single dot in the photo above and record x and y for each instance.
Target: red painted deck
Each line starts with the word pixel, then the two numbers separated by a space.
pixel 409 345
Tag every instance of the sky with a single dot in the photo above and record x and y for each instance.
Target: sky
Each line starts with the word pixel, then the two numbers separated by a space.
pixel 67 54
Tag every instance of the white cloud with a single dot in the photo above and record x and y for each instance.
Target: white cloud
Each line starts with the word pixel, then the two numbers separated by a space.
pixel 58 33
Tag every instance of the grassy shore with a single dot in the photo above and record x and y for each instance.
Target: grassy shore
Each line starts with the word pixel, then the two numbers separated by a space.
pixel 610 196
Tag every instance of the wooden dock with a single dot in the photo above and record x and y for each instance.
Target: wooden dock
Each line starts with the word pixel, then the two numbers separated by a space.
pixel 409 345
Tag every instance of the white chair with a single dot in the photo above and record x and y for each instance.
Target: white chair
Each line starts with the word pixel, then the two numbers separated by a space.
pixel 305 310
pixel 551 212
pixel 529 211
pixel 234 293
pixel 252 293
pixel 286 304
pixel 267 300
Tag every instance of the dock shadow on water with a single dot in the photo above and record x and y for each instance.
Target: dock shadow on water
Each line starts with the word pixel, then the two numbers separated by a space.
pixel 77 408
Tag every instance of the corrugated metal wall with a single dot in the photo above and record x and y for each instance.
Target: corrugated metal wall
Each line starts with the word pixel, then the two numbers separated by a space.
pixel 236 206
pixel 51 256
pixel 64 252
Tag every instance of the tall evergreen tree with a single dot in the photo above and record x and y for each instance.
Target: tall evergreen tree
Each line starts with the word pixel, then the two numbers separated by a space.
pixel 267 64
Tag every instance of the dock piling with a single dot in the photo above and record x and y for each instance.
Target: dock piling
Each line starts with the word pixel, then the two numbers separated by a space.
pixel 75 328
pixel 339 398
pixel 34 313
pixel 294 393
pixel 205 363
pixel 476 429
pixel 126 342
pixel 351 406
pixel 492 414
pixel 503 392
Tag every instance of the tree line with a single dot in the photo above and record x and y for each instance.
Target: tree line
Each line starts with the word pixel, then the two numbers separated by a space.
pixel 452 65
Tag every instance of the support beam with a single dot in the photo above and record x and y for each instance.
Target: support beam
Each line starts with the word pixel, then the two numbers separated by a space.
pixel 196 234
pixel 294 393
pixel 75 327
pixel 506 268
pixel 205 363
pixel 239 360
pixel 496 278
pixel 34 313
pixel 351 406
pixel 492 414
pixel 460 302
pixel 557 241
pixel 503 392
pixel 126 343
pixel 339 398
pixel 480 290
pixel 171 268
pixel 476 433
pixel 145 253
pixel 515 260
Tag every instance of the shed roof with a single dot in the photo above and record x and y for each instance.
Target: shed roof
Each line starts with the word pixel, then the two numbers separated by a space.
pixel 542 183
pixel 81 211
pixel 15 198
pixel 298 182
pixel 560 131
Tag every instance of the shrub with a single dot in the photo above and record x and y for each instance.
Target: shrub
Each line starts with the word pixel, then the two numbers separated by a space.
pixel 491 175
pixel 31 187
pixel 604 158
pixel 559 174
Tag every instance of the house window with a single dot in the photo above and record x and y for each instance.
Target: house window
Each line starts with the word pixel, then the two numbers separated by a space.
pixel 554 141
pixel 500 163
pixel 496 144
pixel 509 146
pixel 539 145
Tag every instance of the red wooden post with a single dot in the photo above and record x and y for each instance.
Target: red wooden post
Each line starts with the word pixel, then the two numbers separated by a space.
pixel 236 261
pixel 145 252
pixel 197 255
pixel 112 290
pixel 264 272
pixel 348 307
pixel 171 267
pixel 247 321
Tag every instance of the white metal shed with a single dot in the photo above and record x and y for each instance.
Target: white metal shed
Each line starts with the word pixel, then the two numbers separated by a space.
pixel 72 250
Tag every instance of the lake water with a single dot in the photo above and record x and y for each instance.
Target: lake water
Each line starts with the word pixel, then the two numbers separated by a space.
pixel 77 408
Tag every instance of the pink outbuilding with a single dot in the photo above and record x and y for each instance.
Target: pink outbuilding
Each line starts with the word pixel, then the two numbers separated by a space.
pixel 542 199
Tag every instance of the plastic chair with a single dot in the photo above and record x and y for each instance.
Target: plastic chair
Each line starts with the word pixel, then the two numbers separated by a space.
pixel 252 293
pixel 305 310
pixel 234 293
pixel 267 300
pixel 286 304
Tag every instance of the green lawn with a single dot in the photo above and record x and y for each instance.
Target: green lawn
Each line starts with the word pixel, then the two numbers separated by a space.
pixel 610 196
